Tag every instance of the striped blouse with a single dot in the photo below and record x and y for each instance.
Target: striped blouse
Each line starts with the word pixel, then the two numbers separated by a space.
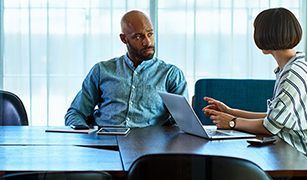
pixel 287 110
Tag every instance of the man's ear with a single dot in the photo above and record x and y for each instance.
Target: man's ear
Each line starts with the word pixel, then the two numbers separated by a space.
pixel 123 38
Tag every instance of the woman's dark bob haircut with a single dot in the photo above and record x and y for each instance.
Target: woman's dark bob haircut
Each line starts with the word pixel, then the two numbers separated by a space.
pixel 277 29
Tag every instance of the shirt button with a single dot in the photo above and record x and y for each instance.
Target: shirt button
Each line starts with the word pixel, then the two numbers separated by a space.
pixel 131 102
pixel 135 73
pixel 130 62
pixel 128 119
pixel 133 87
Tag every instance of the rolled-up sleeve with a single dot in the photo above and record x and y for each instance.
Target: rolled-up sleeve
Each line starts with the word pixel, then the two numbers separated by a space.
pixel 277 115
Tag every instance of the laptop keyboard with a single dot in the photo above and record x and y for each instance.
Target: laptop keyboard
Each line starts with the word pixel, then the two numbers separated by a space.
pixel 216 133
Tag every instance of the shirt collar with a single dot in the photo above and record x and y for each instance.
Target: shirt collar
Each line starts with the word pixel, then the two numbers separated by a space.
pixel 143 65
pixel 298 55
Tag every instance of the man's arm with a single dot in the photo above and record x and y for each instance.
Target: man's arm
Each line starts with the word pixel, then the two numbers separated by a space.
pixel 74 117
pixel 82 107
pixel 177 83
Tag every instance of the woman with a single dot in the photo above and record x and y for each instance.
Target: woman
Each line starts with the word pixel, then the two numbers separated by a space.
pixel 276 32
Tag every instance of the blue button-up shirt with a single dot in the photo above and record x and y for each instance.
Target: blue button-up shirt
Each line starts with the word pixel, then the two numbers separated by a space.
pixel 125 95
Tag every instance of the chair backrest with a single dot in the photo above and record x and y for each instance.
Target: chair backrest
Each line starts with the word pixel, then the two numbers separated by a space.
pixel 245 94
pixel 193 167
pixel 95 175
pixel 12 110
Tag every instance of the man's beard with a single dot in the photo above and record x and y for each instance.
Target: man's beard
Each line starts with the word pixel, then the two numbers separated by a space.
pixel 139 53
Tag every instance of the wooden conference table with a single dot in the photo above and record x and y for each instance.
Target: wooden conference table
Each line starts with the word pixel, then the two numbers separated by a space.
pixel 30 148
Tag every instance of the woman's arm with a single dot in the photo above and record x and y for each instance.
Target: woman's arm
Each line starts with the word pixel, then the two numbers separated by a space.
pixel 219 106
pixel 222 120
pixel 247 114
pixel 254 126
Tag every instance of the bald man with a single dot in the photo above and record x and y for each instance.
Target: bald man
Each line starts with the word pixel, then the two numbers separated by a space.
pixel 125 89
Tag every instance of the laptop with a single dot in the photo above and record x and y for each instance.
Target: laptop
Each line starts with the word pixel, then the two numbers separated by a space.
pixel 188 121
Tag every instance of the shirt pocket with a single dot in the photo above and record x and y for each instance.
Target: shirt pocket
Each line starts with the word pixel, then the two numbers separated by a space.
pixel 150 97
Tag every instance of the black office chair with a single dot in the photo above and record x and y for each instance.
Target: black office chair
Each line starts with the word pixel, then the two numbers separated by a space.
pixel 193 167
pixel 95 175
pixel 245 94
pixel 12 110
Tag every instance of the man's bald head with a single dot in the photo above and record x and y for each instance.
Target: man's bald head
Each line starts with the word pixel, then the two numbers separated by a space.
pixel 133 19
pixel 137 34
